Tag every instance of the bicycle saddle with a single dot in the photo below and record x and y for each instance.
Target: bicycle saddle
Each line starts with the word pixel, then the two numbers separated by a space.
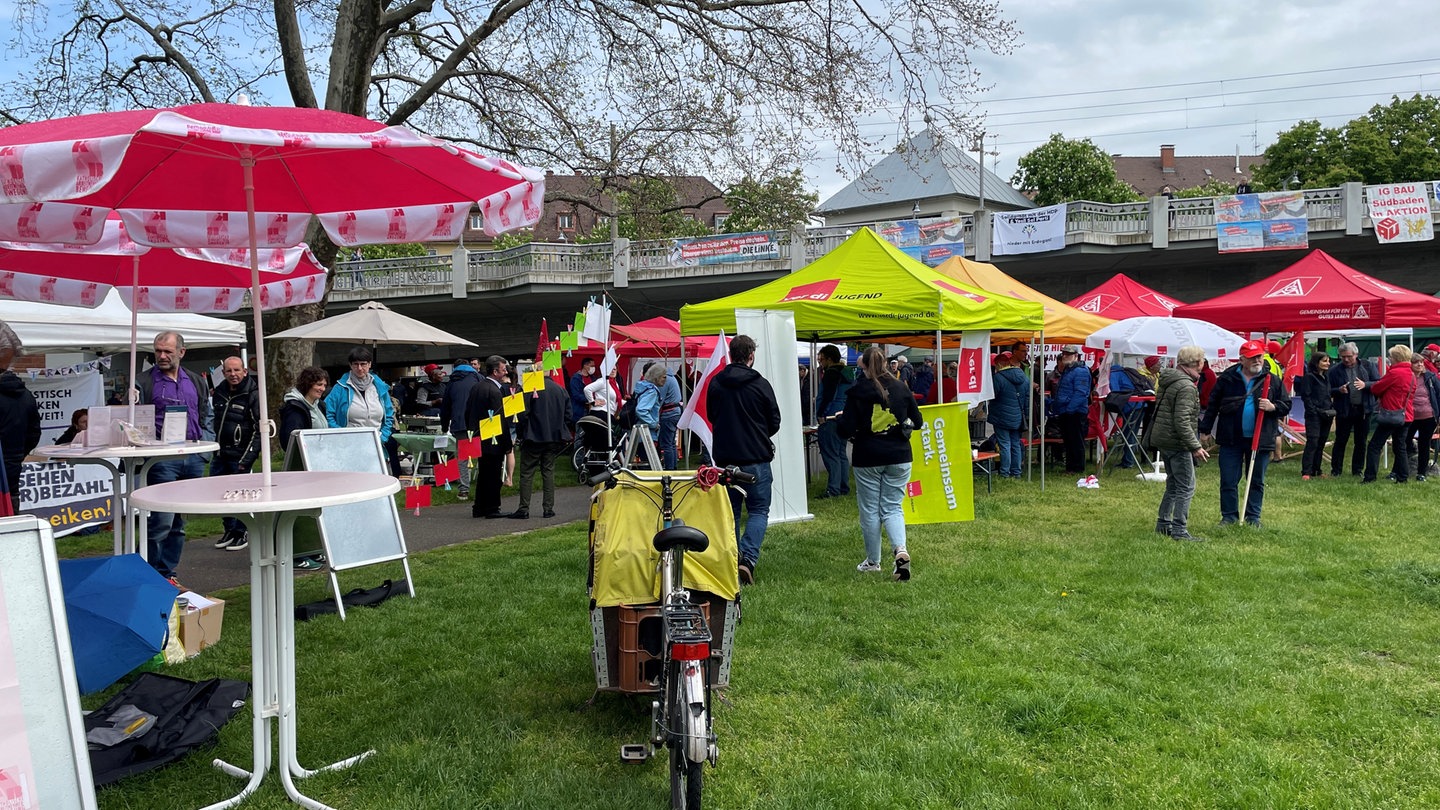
pixel 681 536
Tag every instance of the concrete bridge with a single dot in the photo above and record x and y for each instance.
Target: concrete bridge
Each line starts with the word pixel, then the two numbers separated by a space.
pixel 497 298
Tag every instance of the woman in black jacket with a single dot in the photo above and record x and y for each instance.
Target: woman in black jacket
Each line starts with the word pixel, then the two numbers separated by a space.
pixel 1314 391
pixel 879 414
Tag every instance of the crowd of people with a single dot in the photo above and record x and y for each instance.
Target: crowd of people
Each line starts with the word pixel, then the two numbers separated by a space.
pixel 863 416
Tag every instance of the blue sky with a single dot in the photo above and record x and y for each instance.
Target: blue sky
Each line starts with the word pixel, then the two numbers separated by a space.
pixel 1207 77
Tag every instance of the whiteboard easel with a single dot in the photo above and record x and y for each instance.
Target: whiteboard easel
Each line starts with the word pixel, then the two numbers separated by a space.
pixel 43 758
pixel 356 534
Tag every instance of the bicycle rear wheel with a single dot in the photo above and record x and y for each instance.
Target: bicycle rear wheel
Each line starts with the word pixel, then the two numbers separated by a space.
pixel 686 780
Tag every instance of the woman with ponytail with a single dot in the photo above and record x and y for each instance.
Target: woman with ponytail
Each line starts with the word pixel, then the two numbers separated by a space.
pixel 880 413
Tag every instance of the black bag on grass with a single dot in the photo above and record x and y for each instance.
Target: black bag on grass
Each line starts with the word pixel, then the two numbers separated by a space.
pixel 359 597
pixel 188 715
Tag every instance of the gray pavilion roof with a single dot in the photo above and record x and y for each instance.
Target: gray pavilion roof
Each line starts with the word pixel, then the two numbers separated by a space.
pixel 924 168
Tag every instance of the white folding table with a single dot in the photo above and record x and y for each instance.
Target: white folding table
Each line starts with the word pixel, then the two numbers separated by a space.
pixel 128 465
pixel 269 514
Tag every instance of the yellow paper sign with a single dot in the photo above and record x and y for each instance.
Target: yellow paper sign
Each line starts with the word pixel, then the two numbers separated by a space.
pixel 533 381
pixel 489 427
pixel 942 483
pixel 515 404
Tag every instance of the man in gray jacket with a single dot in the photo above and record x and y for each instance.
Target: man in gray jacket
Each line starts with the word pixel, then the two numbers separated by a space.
pixel 1174 434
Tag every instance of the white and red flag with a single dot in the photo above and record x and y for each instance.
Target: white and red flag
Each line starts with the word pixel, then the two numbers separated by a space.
pixel 695 417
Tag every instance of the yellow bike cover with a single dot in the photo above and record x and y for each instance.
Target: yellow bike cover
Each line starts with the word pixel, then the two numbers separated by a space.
pixel 627 564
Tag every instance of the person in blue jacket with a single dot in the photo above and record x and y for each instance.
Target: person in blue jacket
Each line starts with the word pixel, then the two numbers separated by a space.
pixel 1007 414
pixel 1070 406
pixel 361 399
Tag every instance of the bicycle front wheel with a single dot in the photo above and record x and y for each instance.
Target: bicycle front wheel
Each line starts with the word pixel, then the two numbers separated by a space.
pixel 686 780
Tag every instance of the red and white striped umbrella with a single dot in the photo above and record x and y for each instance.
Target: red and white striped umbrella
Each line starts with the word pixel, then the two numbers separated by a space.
pixel 228 176
pixel 188 177
pixel 156 279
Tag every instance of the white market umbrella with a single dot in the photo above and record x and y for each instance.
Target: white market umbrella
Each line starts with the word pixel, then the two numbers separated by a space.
pixel 1163 337
pixel 373 323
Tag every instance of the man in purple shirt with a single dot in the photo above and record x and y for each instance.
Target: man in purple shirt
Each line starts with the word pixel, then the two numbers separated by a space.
pixel 167 385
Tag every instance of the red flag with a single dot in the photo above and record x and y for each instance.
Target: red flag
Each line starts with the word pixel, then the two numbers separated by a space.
pixel 695 417
pixel 544 341
pixel 1292 360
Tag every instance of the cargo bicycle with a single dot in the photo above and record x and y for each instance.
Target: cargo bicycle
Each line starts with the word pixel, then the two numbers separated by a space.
pixel 667 648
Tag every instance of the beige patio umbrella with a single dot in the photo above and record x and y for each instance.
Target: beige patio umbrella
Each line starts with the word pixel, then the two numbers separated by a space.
pixel 374 323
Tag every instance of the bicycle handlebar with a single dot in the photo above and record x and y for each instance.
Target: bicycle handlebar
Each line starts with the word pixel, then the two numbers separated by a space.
pixel 727 476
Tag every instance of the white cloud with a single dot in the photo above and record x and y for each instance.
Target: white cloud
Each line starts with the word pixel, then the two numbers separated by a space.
pixel 1140 73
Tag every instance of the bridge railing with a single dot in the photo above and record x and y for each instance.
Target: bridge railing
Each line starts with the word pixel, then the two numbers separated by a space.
pixel 1189 219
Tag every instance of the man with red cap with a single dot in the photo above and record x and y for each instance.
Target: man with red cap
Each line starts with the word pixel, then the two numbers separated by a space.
pixel 1430 354
pixel 1247 398
pixel 430 393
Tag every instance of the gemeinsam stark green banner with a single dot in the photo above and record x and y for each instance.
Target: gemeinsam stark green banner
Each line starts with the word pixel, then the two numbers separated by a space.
pixel 942 488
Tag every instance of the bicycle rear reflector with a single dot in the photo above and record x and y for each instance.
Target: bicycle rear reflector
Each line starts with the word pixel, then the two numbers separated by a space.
pixel 693 651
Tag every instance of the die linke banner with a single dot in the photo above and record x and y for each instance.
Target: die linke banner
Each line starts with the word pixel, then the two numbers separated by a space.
pixel 1032 231
pixel 1400 212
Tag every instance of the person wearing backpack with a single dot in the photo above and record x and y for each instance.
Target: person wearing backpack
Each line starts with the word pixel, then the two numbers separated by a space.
pixel 836 379
pixel 879 415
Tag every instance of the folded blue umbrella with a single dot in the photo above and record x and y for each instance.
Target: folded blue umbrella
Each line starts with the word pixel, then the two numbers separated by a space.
pixel 118 609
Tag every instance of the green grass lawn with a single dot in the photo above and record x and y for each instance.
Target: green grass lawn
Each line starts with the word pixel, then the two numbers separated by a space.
pixel 1054 653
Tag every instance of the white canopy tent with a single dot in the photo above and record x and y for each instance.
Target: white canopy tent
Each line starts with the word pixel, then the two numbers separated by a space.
pixel 105 329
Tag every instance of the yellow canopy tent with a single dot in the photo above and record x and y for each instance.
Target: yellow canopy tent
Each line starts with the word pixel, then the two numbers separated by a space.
pixel 1063 323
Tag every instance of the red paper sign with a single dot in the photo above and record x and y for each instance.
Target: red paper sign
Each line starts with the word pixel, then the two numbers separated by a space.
pixel 447 472
pixel 468 449
pixel 416 497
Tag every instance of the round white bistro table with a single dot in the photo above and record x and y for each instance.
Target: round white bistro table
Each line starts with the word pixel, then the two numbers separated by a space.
pixel 270 516
pixel 130 464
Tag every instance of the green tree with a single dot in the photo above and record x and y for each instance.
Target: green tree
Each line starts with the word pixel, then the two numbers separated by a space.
pixel 778 204
pixel 404 251
pixel 1394 143
pixel 1214 188
pixel 1062 170
pixel 648 209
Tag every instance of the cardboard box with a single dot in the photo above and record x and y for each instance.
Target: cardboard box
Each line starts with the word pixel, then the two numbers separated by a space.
pixel 200 628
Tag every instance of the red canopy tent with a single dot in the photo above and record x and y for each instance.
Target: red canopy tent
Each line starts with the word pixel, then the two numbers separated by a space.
pixel 1317 292
pixel 1123 297
pixel 656 337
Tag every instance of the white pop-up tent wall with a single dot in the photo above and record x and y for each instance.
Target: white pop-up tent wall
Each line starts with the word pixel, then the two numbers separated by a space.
pixel 106 329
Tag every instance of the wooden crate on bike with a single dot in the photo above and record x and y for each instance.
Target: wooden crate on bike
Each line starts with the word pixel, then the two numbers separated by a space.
pixel 624 584
pixel 635 639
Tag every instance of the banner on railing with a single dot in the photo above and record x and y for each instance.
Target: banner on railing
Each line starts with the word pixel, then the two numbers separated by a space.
pixel 1033 231
pixel 730 247
pixel 1273 220
pixel 930 241
pixel 1400 212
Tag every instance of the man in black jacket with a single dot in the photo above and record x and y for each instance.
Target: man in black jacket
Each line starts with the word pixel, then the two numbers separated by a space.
pixel 19 423
pixel 1247 398
pixel 487 399
pixel 545 430
pixel 743 416
pixel 453 412
pixel 1350 381
pixel 236 403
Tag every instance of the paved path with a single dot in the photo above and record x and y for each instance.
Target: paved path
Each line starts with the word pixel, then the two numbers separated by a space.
pixel 205 569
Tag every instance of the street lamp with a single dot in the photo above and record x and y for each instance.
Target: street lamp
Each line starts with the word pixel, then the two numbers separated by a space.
pixel 1293 178
pixel 915 211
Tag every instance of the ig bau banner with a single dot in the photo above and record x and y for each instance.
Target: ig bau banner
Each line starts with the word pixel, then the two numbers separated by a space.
pixel 1400 212
pixel 942 487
